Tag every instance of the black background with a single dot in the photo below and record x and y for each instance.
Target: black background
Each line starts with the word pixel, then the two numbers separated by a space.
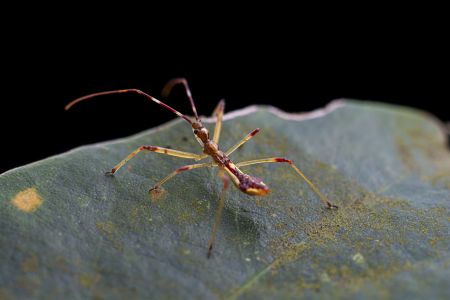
pixel 288 59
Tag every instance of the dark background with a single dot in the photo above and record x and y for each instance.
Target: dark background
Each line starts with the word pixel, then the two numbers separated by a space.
pixel 293 62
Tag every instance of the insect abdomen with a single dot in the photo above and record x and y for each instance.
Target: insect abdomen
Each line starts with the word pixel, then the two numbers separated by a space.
pixel 246 183
pixel 253 186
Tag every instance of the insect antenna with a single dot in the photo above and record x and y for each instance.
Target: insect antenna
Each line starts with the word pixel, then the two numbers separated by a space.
pixel 168 88
pixel 136 91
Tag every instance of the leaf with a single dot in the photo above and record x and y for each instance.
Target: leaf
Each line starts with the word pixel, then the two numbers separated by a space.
pixel 68 231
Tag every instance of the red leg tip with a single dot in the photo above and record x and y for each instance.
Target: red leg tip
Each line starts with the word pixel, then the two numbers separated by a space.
pixel 282 159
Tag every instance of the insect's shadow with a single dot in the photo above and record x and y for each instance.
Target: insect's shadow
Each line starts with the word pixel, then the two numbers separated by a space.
pixel 238 229
pixel 239 232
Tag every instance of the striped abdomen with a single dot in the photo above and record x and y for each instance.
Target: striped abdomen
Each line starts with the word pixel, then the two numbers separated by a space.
pixel 246 183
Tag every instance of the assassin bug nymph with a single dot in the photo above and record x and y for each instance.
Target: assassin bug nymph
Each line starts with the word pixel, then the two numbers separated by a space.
pixel 227 169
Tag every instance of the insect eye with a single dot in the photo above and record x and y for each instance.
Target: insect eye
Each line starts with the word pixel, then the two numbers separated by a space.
pixel 195 131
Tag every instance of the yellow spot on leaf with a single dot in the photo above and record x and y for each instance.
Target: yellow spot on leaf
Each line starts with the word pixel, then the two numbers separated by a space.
pixel 358 258
pixel 110 232
pixel 186 252
pixel 324 277
pixel 89 280
pixel 27 200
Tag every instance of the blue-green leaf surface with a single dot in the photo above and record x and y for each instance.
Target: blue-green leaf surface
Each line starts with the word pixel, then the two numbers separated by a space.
pixel 69 232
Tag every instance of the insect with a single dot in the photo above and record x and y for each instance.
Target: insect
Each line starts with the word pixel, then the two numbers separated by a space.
pixel 220 159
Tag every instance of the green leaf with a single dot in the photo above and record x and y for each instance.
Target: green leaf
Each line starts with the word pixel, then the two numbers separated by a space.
pixel 69 232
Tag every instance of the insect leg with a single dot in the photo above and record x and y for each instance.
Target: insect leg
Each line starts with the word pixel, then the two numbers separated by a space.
pixel 168 88
pixel 291 163
pixel 179 170
pixel 218 112
pixel 243 141
pixel 219 211
pixel 157 150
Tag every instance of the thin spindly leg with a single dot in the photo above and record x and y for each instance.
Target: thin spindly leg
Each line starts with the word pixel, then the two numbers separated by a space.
pixel 219 211
pixel 218 112
pixel 168 88
pixel 178 171
pixel 284 160
pixel 243 141
pixel 166 151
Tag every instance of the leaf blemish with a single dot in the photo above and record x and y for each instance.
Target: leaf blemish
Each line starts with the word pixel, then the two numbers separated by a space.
pixel 89 280
pixel 157 194
pixel 30 264
pixel 358 258
pixel 27 200
pixel 110 232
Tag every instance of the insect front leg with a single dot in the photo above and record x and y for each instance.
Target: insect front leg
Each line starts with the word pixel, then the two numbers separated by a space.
pixel 243 141
pixel 218 112
pixel 156 149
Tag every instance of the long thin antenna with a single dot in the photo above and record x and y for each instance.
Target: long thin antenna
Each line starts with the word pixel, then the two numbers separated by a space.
pixel 76 101
pixel 168 88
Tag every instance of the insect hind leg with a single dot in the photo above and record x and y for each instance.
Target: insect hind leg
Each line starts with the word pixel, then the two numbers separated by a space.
pixel 322 197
